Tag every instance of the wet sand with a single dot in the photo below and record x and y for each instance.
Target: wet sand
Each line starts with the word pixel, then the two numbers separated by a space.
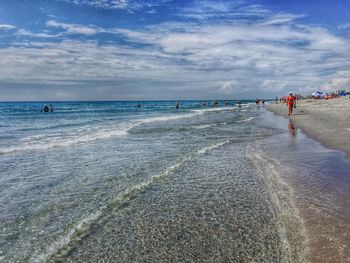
pixel 327 121
pixel 321 187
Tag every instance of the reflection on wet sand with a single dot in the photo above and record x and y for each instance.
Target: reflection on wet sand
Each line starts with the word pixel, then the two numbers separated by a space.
pixel 292 129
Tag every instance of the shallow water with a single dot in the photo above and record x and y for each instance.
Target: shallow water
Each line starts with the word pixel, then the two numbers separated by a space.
pixel 106 181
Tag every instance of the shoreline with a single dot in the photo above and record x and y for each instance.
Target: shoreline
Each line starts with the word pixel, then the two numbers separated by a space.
pixel 327 121
pixel 321 190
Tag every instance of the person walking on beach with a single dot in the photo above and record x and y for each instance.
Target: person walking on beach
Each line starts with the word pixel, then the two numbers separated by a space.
pixel 291 103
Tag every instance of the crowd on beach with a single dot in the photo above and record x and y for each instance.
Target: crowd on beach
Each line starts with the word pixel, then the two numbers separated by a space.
pixel 291 99
pixel 331 95
pixel 316 95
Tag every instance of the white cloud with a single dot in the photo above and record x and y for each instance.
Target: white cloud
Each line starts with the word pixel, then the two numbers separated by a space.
pixel 228 87
pixel 129 5
pixel 6 27
pixel 23 32
pixel 272 56
pixel 74 29
pixel 281 19
pixel 340 81
pixel 105 4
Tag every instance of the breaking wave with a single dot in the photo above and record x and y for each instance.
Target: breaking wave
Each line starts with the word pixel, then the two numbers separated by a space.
pixel 44 142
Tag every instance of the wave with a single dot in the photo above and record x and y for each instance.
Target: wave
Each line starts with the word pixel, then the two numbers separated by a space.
pixel 168 118
pixel 247 119
pixel 44 142
pixel 61 125
pixel 203 126
pixel 66 243
pixel 215 109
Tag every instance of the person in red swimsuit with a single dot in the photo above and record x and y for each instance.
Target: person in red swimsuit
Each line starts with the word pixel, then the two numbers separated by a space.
pixel 291 103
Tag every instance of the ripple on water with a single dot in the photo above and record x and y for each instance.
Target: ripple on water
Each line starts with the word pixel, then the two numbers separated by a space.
pixel 201 212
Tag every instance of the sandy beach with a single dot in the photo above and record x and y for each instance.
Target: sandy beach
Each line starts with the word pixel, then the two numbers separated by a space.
pixel 326 219
pixel 325 120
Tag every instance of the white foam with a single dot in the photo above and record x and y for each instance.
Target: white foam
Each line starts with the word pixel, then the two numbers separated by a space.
pixel 44 142
pixel 212 147
pixel 215 109
pixel 203 126
pixel 248 119
pixel 47 142
pixel 65 239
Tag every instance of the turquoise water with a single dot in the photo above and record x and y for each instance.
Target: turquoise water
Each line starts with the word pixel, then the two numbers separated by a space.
pixel 111 182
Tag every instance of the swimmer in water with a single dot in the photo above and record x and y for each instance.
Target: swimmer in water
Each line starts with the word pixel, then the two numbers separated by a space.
pixel 45 109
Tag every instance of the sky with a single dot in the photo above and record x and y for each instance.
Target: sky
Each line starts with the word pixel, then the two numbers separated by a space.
pixel 167 49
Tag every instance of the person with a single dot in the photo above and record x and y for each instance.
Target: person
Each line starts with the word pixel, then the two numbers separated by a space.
pixel 291 103
pixel 276 100
pixel 263 101
pixel 50 108
pixel 138 105
pixel 45 109
pixel 177 104
pixel 216 103
pixel 257 101
pixel 239 104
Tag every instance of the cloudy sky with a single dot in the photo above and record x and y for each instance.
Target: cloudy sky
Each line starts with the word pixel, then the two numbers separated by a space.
pixel 164 49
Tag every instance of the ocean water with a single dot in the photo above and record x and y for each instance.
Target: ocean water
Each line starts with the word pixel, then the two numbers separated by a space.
pixel 110 182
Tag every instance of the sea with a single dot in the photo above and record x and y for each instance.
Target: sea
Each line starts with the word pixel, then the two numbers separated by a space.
pixel 114 182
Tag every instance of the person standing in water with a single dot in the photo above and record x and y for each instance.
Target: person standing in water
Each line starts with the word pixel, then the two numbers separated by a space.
pixel 291 103
pixel 216 103
pixel 177 105
pixel 45 109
